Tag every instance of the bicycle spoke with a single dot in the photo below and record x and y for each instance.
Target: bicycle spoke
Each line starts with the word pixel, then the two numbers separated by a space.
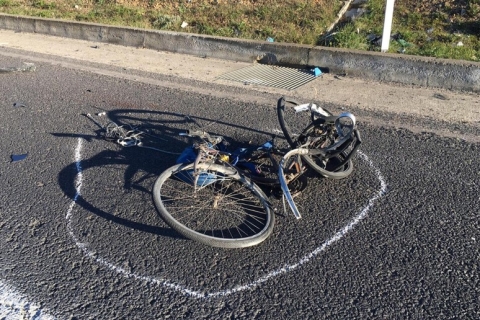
pixel 214 206
pixel 256 218
pixel 246 222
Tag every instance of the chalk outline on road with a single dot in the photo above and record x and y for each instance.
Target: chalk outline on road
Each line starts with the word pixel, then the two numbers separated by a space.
pixel 16 306
pixel 198 294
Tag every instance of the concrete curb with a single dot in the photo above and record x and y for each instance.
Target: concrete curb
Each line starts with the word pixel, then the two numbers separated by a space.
pixel 411 70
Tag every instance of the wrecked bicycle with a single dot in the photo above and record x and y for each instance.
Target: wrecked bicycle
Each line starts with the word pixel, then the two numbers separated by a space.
pixel 215 197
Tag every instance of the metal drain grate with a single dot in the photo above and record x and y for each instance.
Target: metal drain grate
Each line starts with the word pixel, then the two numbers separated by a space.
pixel 271 76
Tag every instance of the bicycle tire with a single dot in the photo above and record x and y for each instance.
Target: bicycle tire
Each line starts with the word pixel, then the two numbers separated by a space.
pixel 322 168
pixel 227 211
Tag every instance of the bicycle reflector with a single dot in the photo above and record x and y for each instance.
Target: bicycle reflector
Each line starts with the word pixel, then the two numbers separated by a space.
pixel 345 124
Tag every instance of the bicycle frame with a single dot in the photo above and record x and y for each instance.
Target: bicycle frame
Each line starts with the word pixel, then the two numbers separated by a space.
pixel 213 174
pixel 345 139
pixel 283 179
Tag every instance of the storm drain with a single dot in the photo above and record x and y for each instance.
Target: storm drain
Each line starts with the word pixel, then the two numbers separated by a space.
pixel 271 76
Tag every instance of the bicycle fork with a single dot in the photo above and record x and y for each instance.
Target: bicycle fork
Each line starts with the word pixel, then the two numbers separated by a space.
pixel 283 180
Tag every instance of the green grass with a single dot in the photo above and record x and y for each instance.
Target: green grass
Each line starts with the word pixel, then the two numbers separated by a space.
pixel 420 28
pixel 438 33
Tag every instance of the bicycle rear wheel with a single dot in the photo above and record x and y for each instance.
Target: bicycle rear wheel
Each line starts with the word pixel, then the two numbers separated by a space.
pixel 334 167
pixel 217 206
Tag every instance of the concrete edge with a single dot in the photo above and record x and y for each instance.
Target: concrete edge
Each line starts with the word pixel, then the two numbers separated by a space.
pixel 397 68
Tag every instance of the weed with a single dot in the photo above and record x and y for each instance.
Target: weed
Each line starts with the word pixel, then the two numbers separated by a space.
pixel 5 3
pixel 40 4
pixel 347 37
pixel 419 27
pixel 163 21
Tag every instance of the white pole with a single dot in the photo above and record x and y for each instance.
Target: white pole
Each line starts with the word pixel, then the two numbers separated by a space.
pixel 387 27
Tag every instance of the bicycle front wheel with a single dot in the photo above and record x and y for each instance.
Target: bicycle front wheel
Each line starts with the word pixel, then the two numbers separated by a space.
pixel 214 205
pixel 329 168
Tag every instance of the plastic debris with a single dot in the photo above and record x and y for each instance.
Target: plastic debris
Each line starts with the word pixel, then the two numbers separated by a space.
pixel 27 67
pixel 184 24
pixel 354 13
pixel 316 72
pixel 270 39
pixel 100 114
pixel 404 45
pixel 19 157
pixel 236 31
pixel 460 44
pixel 374 39
pixel 19 104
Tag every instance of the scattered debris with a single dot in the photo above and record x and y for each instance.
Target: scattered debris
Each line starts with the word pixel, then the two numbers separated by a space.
pixel 316 72
pixel 184 24
pixel 18 157
pixel 374 39
pixel 18 104
pixel 354 13
pixel 402 42
pixel 236 31
pixel 440 96
pixel 94 47
pixel 27 67
pixel 100 114
pixel 124 135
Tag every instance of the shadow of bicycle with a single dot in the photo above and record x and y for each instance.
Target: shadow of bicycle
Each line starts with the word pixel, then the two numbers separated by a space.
pixel 122 177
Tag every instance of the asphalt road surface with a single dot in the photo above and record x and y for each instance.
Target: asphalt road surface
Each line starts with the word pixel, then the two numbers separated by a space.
pixel 81 239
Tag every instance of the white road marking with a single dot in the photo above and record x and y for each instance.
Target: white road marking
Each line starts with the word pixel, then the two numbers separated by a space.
pixel 13 306
pixel 201 294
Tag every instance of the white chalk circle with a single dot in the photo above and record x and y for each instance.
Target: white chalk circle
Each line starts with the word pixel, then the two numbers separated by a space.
pixel 199 294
